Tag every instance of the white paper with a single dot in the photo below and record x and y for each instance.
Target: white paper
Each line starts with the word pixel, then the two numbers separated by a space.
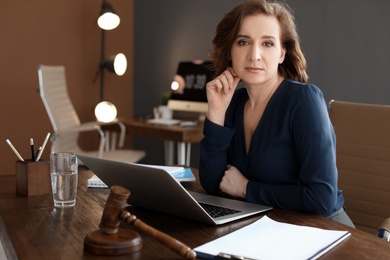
pixel 169 169
pixel 269 239
pixel 96 182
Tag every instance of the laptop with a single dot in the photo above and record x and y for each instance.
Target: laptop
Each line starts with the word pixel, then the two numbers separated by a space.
pixel 155 189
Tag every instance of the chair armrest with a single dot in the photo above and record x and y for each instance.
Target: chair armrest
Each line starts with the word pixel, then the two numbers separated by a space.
pixel 384 230
pixel 122 131
pixel 86 127
pixel 89 126
pixel 386 224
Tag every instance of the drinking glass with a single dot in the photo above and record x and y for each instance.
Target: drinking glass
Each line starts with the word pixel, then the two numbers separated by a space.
pixel 64 175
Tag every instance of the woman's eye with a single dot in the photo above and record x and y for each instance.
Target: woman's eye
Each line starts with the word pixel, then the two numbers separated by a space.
pixel 242 42
pixel 268 44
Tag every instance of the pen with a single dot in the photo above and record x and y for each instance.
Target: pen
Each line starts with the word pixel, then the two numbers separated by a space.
pixel 43 147
pixel 230 256
pixel 14 149
pixel 38 151
pixel 221 256
pixel 32 149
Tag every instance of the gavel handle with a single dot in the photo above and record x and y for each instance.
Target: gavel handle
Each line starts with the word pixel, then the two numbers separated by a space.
pixel 163 238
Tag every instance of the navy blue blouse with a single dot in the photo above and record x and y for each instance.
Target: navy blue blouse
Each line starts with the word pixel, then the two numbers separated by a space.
pixel 291 163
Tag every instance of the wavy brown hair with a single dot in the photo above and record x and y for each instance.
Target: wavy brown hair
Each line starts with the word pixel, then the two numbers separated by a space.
pixel 294 64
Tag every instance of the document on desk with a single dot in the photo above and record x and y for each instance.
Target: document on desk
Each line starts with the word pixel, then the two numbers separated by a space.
pixel 269 239
pixel 181 174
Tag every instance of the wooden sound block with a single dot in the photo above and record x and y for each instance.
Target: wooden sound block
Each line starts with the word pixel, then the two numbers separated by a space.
pixel 124 242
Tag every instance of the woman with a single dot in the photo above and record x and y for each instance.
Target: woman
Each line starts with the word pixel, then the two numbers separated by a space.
pixel 271 142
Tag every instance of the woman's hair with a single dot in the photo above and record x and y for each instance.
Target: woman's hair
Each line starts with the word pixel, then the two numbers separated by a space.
pixel 294 64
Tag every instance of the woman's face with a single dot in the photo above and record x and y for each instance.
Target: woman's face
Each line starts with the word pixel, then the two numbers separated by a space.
pixel 257 50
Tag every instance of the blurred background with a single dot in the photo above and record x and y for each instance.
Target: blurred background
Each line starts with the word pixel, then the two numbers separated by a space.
pixel 345 43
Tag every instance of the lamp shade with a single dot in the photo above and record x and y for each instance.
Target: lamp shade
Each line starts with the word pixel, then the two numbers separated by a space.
pixel 117 63
pixel 105 112
pixel 108 19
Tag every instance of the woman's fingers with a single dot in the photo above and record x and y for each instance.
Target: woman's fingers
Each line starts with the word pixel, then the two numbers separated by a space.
pixel 226 82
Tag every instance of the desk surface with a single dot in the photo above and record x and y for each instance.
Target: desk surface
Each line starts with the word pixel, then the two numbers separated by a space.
pixel 31 228
pixel 140 127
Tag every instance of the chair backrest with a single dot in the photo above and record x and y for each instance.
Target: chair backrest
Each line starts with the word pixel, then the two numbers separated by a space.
pixel 54 94
pixel 55 97
pixel 363 160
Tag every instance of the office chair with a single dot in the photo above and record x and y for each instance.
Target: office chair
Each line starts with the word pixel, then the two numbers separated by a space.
pixel 66 124
pixel 384 230
pixel 363 161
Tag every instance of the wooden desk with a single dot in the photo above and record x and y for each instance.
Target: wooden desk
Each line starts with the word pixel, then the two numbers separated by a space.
pixel 183 136
pixel 30 228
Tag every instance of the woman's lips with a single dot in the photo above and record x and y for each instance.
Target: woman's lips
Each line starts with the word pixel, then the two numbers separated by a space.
pixel 253 69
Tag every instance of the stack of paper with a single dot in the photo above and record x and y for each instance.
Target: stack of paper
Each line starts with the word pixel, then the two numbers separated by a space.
pixel 179 173
pixel 96 182
pixel 269 239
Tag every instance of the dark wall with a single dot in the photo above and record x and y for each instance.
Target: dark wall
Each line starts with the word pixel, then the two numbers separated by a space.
pixel 346 43
pixel 166 32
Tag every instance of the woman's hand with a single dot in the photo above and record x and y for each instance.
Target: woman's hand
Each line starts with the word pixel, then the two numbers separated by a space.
pixel 219 94
pixel 234 183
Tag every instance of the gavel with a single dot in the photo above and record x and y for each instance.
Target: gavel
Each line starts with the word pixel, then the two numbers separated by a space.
pixel 112 240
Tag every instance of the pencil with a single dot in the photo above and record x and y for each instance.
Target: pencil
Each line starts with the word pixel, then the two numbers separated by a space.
pixel 14 149
pixel 43 147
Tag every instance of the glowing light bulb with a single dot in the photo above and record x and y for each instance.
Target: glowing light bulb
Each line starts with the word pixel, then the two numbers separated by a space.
pixel 108 21
pixel 105 112
pixel 120 64
pixel 175 85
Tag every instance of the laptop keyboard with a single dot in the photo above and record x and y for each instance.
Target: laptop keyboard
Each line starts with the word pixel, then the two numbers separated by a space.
pixel 216 211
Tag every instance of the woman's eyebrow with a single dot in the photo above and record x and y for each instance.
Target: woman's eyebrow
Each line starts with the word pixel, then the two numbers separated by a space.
pixel 243 36
pixel 269 37
pixel 263 37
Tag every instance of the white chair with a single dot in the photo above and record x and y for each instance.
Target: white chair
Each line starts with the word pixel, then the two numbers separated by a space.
pixel 66 124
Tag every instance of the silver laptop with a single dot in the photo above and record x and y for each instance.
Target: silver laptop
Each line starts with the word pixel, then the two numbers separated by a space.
pixel 156 189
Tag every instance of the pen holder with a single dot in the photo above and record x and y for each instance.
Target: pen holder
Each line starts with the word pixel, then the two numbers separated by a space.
pixel 33 178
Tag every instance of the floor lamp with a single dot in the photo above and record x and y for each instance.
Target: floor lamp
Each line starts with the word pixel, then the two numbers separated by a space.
pixel 108 20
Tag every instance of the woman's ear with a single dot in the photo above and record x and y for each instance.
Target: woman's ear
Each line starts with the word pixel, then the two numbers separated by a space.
pixel 282 55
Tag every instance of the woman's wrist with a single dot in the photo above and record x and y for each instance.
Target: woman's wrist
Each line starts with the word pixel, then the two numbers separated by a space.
pixel 216 117
pixel 244 189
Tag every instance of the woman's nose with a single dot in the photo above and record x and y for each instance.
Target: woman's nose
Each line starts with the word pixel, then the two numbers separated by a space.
pixel 255 53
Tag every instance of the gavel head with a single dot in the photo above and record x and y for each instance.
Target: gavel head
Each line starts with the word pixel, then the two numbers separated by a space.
pixel 116 202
